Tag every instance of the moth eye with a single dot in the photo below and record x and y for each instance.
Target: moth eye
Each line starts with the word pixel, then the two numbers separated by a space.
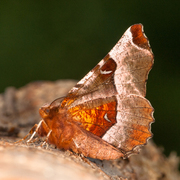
pixel 47 111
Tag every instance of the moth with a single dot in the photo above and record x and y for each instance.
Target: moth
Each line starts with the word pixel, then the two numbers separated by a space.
pixel 105 115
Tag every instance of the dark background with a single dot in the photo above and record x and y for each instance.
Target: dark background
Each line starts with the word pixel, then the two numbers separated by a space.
pixel 50 40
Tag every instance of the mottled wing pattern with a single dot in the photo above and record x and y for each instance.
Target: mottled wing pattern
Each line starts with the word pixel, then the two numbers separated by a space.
pixel 118 80
pixel 98 83
pixel 96 116
pixel 133 127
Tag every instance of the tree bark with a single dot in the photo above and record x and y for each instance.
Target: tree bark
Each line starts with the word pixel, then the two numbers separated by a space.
pixel 19 113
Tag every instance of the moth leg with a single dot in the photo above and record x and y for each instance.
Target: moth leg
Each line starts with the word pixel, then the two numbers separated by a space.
pixel 30 132
pixel 41 129
pixel 35 131
pixel 46 140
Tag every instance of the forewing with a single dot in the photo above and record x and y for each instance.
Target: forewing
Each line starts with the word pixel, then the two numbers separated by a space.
pixel 123 71
pixel 118 81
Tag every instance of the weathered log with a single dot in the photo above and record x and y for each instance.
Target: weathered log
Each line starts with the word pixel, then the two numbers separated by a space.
pixel 19 112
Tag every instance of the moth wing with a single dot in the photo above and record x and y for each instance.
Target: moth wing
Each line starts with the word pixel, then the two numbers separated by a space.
pixel 90 145
pixel 124 122
pixel 120 78
pixel 133 124
pixel 123 71
pixel 96 116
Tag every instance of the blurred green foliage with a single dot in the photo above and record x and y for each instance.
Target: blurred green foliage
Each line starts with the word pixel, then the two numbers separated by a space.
pixel 49 40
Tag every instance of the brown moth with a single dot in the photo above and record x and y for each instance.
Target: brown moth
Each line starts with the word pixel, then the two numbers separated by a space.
pixel 106 115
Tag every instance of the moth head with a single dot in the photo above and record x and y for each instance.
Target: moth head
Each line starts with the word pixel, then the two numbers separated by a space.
pixel 48 111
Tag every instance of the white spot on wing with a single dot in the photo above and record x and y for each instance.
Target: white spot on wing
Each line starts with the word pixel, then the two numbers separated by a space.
pixel 117 129
pixel 105 72
pixel 106 118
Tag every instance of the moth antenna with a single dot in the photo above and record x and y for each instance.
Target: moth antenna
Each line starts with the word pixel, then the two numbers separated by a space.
pixel 57 101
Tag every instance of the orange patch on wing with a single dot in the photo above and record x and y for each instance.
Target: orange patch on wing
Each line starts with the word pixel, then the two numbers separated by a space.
pixel 96 120
pixel 137 137
pixel 140 128
pixel 138 37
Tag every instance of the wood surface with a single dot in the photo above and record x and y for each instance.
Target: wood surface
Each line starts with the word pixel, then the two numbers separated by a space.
pixel 18 114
